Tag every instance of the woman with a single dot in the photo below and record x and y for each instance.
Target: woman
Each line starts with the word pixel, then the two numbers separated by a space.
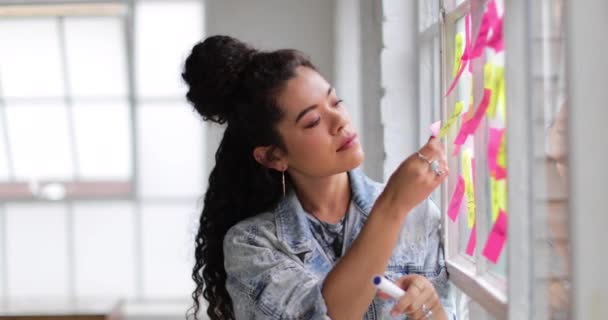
pixel 290 229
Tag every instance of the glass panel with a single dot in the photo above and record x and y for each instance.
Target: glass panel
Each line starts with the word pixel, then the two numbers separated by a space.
pixel 39 140
pixel 96 55
pixel 170 146
pixel 105 263
pixel 463 96
pixel 168 239
pixel 36 245
pixel 103 140
pixel 165 32
pixel 30 59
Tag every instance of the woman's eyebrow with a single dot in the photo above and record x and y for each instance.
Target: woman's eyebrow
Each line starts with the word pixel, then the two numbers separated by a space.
pixel 303 112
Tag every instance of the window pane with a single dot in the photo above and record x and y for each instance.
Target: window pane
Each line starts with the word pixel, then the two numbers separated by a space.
pixel 165 32
pixel 105 264
pixel 168 239
pixel 96 61
pixel 36 244
pixel 170 146
pixel 103 139
pixel 39 140
pixel 30 59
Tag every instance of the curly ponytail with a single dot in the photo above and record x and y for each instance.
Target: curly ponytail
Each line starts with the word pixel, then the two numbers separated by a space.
pixel 230 82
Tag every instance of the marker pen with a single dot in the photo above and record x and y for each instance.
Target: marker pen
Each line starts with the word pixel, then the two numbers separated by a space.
pixel 388 287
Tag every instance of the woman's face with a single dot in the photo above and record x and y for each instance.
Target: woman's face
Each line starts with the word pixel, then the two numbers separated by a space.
pixel 317 132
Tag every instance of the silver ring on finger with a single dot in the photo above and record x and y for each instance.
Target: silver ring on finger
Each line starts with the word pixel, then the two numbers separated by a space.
pixel 428 314
pixel 425 309
pixel 435 167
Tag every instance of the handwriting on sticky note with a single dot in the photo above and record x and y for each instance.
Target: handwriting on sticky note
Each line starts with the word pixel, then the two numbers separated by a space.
pixel 469 186
pixel 497 238
pixel 472 242
pixel 456 201
pixel 452 119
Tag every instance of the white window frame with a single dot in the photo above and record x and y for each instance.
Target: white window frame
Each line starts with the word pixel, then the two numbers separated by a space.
pixel 473 277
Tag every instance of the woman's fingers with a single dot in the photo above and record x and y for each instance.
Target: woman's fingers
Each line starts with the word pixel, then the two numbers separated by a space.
pixel 421 297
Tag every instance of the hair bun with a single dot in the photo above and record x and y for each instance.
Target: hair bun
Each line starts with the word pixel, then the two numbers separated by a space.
pixel 212 72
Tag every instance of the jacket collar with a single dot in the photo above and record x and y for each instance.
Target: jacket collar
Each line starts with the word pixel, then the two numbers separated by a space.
pixel 290 217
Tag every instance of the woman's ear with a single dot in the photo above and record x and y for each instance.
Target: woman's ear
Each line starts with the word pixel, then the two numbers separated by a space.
pixel 270 157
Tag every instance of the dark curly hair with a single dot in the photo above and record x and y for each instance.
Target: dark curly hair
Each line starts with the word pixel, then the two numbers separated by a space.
pixel 230 82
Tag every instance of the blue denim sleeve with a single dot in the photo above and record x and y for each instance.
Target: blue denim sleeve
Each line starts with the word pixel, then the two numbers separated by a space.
pixel 266 283
pixel 435 260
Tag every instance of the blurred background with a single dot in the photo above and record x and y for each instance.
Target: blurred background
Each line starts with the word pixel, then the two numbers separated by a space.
pixel 103 163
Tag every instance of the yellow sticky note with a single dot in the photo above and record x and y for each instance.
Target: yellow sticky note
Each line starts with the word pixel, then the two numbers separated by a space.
pixel 499 196
pixel 452 119
pixel 501 103
pixel 469 188
pixel 497 87
pixel 458 50
pixel 501 159
pixel 471 111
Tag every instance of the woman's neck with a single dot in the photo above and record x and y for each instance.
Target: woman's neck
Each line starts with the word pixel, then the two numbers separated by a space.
pixel 326 198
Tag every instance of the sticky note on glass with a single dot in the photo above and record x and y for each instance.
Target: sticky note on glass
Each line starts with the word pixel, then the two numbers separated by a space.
pixel 472 242
pixel 499 196
pixel 495 136
pixel 458 51
pixel 501 160
pixel 496 84
pixel 469 186
pixel 456 201
pixel 452 119
pixel 497 238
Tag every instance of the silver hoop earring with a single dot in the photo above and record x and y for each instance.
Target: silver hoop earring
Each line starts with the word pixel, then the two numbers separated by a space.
pixel 283 179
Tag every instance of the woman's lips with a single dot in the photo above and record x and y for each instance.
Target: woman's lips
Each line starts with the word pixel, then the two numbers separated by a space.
pixel 348 143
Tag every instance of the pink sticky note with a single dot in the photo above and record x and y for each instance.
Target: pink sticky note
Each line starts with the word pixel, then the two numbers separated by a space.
pixel 480 112
pixel 462 134
pixel 467 32
pixel 466 56
pixel 495 41
pixel 501 173
pixel 435 127
pixel 463 64
pixel 497 238
pixel 494 139
pixel 469 127
pixel 456 201
pixel 472 241
pixel 482 36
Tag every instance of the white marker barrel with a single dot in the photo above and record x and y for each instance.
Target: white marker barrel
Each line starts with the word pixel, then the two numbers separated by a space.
pixel 388 287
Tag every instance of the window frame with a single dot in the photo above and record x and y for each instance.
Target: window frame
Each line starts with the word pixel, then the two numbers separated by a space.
pixel 471 276
pixel 75 188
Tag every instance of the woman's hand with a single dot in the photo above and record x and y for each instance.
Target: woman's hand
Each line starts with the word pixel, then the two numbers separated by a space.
pixel 414 180
pixel 420 301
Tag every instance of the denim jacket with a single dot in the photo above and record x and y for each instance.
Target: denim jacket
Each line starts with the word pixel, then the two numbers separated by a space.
pixel 275 268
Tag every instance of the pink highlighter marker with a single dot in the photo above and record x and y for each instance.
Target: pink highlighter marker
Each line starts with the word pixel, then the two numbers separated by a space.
pixel 388 287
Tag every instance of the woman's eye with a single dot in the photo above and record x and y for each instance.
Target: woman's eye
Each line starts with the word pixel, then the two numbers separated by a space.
pixel 315 123
pixel 338 102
